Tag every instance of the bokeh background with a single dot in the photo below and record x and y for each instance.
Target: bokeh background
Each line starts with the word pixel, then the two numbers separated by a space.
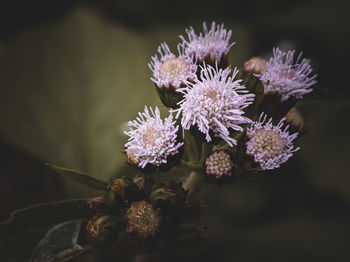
pixel 73 72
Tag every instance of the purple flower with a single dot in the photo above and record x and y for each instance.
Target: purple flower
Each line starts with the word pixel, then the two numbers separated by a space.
pixel 215 102
pixel 284 76
pixel 170 71
pixel 214 44
pixel 219 164
pixel 151 139
pixel 270 145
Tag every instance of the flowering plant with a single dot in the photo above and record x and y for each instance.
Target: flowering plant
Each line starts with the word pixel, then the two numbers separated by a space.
pixel 222 122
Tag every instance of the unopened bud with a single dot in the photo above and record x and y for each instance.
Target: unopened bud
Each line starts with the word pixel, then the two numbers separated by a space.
pixel 254 65
pixel 295 120
pixel 168 195
pixel 102 229
pixel 121 191
pixel 219 164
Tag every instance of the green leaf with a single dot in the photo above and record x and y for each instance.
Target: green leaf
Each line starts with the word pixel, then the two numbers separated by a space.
pixel 80 177
pixel 79 254
pixel 44 215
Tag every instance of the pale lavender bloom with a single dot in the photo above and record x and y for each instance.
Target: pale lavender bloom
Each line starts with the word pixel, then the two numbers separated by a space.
pixel 270 145
pixel 171 71
pixel 151 139
pixel 285 77
pixel 214 44
pixel 215 102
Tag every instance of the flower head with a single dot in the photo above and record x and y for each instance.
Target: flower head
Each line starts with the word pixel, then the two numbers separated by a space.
pixel 213 45
pixel 215 102
pixel 171 71
pixel 270 145
pixel 143 219
pixel 151 139
pixel 219 164
pixel 286 77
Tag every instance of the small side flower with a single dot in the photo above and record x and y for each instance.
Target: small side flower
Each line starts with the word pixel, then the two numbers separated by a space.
pixel 285 77
pixel 270 145
pixel 170 71
pixel 210 47
pixel 151 139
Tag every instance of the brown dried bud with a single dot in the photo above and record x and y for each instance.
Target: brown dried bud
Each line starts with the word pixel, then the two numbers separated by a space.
pixel 168 195
pixel 121 191
pixel 102 229
pixel 143 220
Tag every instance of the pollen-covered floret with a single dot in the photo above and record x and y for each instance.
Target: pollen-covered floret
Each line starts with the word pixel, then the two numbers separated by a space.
pixel 270 145
pixel 143 219
pixel 285 77
pixel 219 164
pixel 215 102
pixel 213 45
pixel 151 139
pixel 170 71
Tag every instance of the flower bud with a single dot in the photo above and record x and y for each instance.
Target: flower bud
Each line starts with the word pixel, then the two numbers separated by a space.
pixel 143 220
pixel 219 164
pixel 102 229
pixel 295 120
pixel 97 203
pixel 121 191
pixel 168 195
pixel 254 65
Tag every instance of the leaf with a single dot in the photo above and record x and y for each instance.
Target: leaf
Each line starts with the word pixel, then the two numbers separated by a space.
pixel 80 177
pixel 83 252
pixel 45 214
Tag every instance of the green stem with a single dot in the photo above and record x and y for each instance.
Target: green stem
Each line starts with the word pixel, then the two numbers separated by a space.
pixel 192 184
pixel 191 147
pixel 207 148
pixel 191 165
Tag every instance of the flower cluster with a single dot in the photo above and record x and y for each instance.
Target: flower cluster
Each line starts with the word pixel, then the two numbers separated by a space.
pixel 227 124
pixel 211 100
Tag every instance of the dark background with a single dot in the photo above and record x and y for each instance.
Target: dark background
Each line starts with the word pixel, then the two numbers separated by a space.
pixel 72 72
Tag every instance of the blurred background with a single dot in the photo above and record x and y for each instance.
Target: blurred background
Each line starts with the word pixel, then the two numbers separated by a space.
pixel 73 72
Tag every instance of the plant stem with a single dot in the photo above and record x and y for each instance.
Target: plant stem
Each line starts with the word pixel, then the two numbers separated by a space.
pixel 191 147
pixel 192 184
pixel 190 165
